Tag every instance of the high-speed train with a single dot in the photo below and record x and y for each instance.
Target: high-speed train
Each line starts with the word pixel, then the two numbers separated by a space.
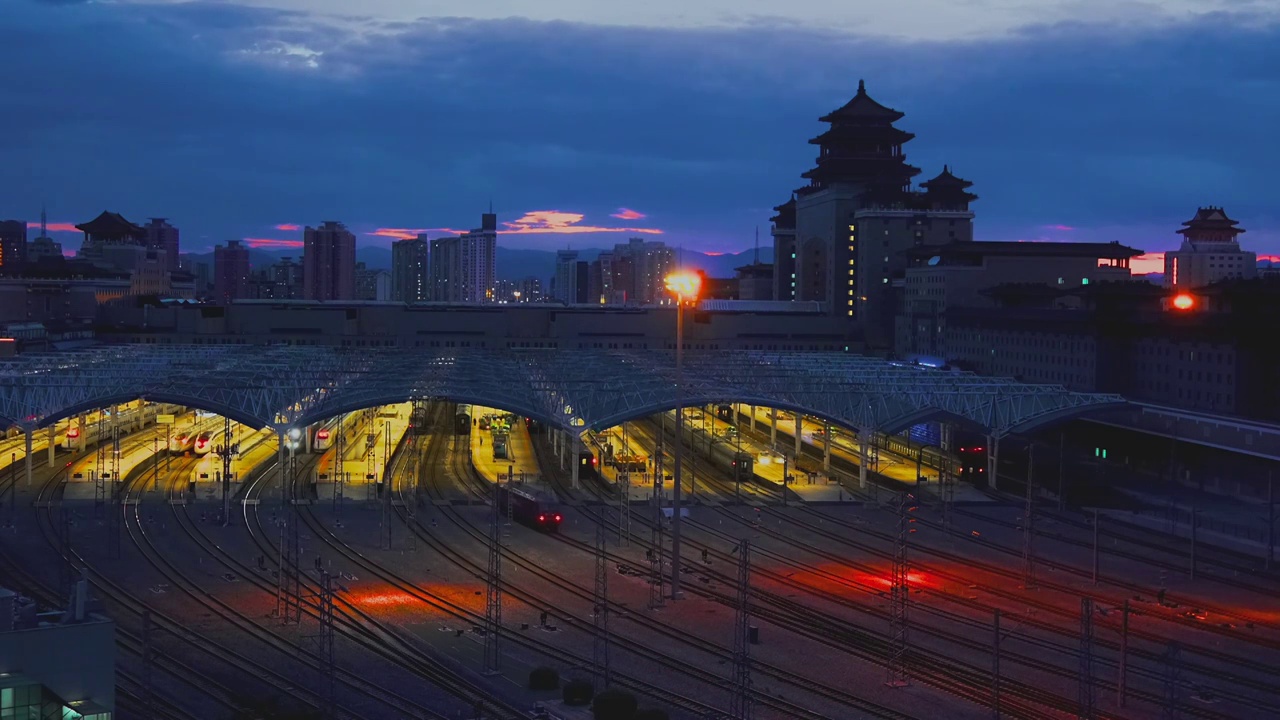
pixel 181 442
pixel 203 443
pixel 324 439
pixel 72 440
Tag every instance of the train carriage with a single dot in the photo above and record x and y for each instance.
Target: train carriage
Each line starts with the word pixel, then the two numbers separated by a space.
pixel 181 442
pixel 528 506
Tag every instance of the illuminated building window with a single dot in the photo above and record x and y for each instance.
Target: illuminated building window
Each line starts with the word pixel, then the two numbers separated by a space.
pixel 850 261
pixel 1084 281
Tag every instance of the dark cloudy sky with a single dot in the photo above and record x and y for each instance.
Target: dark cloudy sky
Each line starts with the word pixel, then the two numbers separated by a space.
pixel 1076 119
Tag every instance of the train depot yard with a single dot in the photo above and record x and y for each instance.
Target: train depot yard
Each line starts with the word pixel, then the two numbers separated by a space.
pixel 430 559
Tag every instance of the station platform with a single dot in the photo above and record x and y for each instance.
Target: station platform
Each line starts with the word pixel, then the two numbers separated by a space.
pixel 520 462
pixel 368 443
pixel 629 449
pixel 845 446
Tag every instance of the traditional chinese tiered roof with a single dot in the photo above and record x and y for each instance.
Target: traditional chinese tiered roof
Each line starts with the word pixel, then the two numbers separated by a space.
pixel 948 191
pixel 111 226
pixel 786 217
pixel 863 147
pixel 1211 224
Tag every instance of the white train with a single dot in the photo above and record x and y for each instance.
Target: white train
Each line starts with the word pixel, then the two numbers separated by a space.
pixel 324 439
pixel 72 439
pixel 203 443
pixel 181 442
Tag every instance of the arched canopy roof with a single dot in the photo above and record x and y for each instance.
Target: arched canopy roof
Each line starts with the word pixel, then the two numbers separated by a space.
pixel 282 386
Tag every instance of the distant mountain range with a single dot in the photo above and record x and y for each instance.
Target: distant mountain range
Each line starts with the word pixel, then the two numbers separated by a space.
pixel 516 263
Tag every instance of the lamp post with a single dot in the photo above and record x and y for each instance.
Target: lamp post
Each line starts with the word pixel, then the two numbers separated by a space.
pixel 685 286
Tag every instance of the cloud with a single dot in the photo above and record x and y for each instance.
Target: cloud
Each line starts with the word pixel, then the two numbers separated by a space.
pixel 398 233
pixel 1147 263
pixel 1064 228
pixel 628 214
pixel 563 223
pixel 288 227
pixel 272 243
pixel 1121 124
pixel 63 227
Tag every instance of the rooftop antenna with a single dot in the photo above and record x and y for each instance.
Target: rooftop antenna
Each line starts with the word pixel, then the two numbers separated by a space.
pixel 44 221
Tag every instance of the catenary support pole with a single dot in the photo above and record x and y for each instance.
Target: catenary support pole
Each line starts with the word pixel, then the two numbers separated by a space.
pixel 862 457
pixel 799 434
pixel 577 462
pixel 52 447
pixel 773 428
pixel 995 667
pixel 27 459
pixel 826 446
pixel 993 460
pixel 1095 546
pixel 1123 669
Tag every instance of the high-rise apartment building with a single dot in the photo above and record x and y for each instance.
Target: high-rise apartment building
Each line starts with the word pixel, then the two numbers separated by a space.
pixel 286 279
pixel 410 260
pixel 372 284
pixel 44 247
pixel 639 270
pixel 329 262
pixel 462 268
pixel 846 242
pixel 566 289
pixel 13 246
pixel 230 272
pixel 1210 252
pixel 160 235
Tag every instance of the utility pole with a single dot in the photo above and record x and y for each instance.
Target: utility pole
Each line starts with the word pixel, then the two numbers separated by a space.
pixel 740 708
pixel 493 595
pixel 600 617
pixel 1172 682
pixel 1028 531
pixel 995 667
pixel 656 593
pixel 1123 670
pixel 1095 547
pixel 148 692
pixel 226 471
pixel 898 598
pixel 1087 699
pixel 624 508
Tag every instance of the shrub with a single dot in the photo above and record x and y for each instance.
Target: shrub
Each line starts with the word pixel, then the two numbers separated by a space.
pixel 613 704
pixel 544 678
pixel 578 692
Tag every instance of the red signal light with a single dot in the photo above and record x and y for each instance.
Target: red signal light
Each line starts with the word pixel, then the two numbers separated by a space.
pixel 557 518
pixel 542 518
pixel 1184 301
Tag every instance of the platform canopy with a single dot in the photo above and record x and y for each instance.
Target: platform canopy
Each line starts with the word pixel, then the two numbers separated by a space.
pixel 286 386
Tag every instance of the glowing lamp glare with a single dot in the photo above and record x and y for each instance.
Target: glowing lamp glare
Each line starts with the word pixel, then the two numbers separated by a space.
pixel 1184 302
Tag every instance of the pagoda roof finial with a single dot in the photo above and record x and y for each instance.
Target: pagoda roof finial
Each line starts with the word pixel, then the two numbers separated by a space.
pixel 862 87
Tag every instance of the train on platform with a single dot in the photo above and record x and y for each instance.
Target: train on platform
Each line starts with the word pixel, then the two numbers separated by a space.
pixel 324 438
pixel 203 444
pixel 501 449
pixel 971 453
pixel 735 463
pixel 462 420
pixel 418 419
pixel 181 442
pixel 725 412
pixel 529 506
pixel 588 464
pixel 72 440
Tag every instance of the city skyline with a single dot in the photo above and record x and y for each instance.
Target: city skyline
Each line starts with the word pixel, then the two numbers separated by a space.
pixel 1059 147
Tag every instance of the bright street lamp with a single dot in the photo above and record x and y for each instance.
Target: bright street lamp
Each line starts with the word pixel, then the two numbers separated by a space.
pixel 685 286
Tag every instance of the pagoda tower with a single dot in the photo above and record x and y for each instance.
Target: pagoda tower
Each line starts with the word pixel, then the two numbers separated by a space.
pixel 862 147
pixel 1211 225
pixel 947 192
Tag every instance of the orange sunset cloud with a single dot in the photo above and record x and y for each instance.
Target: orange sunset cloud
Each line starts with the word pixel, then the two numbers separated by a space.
pixel 272 243
pixel 628 214
pixel 288 227
pixel 56 226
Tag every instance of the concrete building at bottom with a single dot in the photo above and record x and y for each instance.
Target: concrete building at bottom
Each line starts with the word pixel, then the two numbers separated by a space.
pixel 57 664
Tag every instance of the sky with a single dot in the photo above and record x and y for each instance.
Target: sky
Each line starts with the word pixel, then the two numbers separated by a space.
pixel 585 122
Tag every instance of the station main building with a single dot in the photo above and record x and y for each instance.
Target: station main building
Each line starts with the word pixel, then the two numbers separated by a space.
pixel 841 239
